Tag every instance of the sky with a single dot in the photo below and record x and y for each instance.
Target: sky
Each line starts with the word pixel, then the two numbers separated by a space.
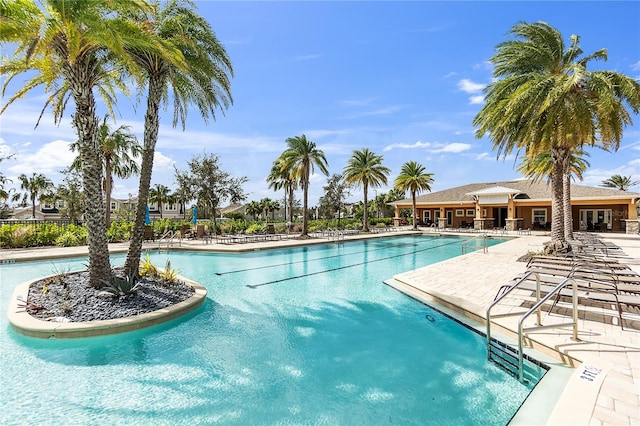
pixel 403 79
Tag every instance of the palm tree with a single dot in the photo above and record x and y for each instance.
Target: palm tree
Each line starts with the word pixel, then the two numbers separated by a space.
pixel 412 178
pixel 544 99
pixel 365 168
pixel 540 167
pixel 253 208
pixel 300 159
pixel 196 67
pixel 159 195
pixel 36 188
pixel 72 46
pixel 119 149
pixel 623 183
pixel 282 178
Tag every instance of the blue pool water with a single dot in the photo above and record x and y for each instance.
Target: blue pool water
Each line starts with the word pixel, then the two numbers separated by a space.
pixel 298 336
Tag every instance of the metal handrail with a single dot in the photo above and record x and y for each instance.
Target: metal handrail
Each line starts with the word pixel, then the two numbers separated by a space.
pixel 537 309
pixel 169 237
pixel 485 247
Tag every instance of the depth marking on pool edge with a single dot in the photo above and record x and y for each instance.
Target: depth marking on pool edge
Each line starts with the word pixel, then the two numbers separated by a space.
pixel 346 266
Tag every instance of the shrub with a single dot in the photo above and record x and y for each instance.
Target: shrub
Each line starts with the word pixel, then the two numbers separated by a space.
pixel 68 239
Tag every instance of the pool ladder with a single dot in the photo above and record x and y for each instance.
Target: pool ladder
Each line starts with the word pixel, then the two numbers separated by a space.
pixel 474 240
pixel 509 358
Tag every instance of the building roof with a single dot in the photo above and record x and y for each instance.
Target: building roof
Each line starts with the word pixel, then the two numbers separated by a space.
pixel 231 208
pixel 525 189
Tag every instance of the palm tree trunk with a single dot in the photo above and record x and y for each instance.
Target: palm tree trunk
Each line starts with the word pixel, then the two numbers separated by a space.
pixel 566 200
pixel 86 124
pixel 290 207
pixel 365 215
pixel 305 197
pixel 557 211
pixel 415 219
pixel 151 126
pixel 108 184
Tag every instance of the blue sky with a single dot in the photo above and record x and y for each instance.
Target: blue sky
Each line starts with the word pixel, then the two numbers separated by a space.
pixel 403 79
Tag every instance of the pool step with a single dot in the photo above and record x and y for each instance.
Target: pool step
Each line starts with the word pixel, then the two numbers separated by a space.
pixel 506 357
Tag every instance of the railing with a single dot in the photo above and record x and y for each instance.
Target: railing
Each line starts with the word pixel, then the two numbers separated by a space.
pixel 537 309
pixel 169 238
pixel 485 248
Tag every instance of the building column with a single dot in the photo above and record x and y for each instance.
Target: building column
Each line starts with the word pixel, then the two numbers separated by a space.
pixel 632 226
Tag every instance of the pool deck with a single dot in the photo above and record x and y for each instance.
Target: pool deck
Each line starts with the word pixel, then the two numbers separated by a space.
pixel 467 285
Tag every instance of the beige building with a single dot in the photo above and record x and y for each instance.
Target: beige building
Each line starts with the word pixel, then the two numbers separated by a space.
pixel 523 204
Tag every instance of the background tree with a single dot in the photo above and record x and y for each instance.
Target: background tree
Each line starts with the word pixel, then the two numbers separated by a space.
pixel 544 99
pixel 211 186
pixel 336 192
pixel 118 148
pixel 282 178
pixel 300 159
pixel 70 192
pixel 365 169
pixel 623 183
pixel 193 68
pixel 540 167
pixel 159 195
pixel 36 188
pixel 413 178
pixel 69 48
pixel 253 209
pixel 183 193
pixel 5 194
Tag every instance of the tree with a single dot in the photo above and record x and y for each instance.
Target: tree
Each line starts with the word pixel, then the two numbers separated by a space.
pixel 299 160
pixel 5 194
pixel 540 167
pixel 623 183
pixel 210 185
pixel 544 99
pixel 119 149
pixel 70 48
pixel 365 169
pixel 336 192
pixel 413 178
pixel 282 178
pixel 70 192
pixel 197 69
pixel 36 188
pixel 159 195
pixel 253 208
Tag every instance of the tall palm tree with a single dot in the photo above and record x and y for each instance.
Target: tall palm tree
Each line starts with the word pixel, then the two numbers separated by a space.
pixel 413 178
pixel 300 159
pixel 36 188
pixel 197 69
pixel 118 148
pixel 281 178
pixel 540 167
pixel 159 195
pixel 623 183
pixel 545 99
pixel 365 169
pixel 71 46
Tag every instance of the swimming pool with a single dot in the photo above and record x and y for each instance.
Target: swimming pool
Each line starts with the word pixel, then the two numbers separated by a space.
pixel 296 336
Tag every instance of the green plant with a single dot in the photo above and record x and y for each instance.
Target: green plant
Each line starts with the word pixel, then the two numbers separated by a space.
pixel 119 286
pixel 147 269
pixel 169 276
pixel 68 239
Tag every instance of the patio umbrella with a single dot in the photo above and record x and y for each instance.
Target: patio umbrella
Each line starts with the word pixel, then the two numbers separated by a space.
pixel 194 219
pixel 147 218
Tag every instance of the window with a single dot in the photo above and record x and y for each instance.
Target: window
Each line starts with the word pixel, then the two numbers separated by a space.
pixel 470 212
pixel 539 215
pixel 171 207
pixel 459 212
pixel 426 215
pixel 113 205
pixel 46 206
pixel 60 204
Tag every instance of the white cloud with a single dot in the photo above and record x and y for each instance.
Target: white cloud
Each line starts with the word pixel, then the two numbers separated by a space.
pixel 321 133
pixel 50 158
pixel 484 156
pixel 161 161
pixel 307 57
pixel 595 177
pixel 469 86
pixel 380 111
pixel 474 100
pixel 407 146
pixel 453 148
pixel 635 66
